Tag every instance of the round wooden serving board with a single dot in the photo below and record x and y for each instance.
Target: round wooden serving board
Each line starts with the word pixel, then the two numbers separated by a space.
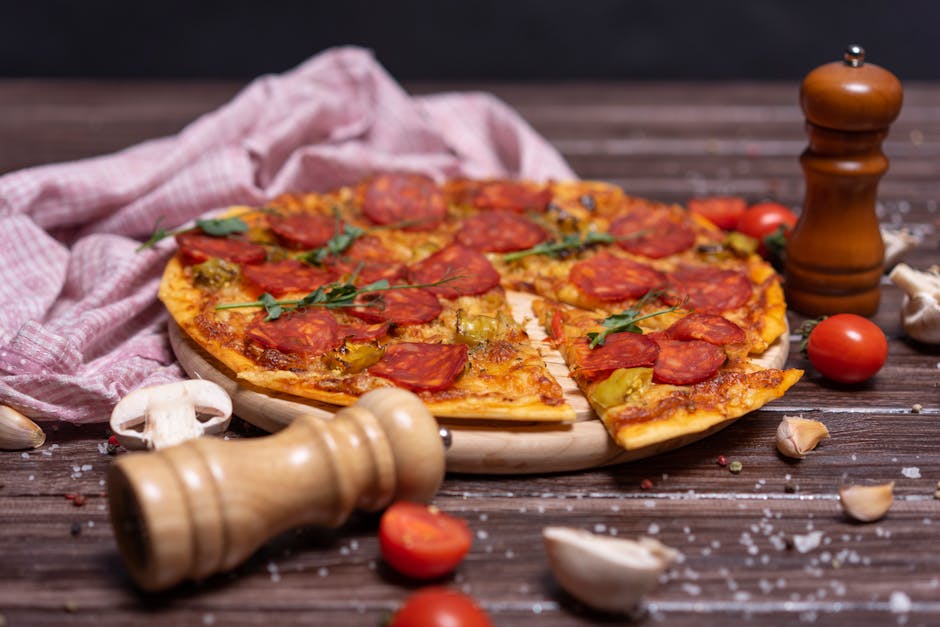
pixel 479 447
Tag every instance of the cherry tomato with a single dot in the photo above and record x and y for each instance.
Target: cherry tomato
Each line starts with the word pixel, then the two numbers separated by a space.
pixel 421 541
pixel 763 220
pixel 440 607
pixel 847 348
pixel 722 211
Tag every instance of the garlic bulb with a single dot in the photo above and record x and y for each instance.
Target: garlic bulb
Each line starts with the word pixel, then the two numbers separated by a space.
pixel 920 312
pixel 18 432
pixel 606 573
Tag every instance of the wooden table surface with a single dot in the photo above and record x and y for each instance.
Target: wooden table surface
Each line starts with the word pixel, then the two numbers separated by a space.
pixel 59 565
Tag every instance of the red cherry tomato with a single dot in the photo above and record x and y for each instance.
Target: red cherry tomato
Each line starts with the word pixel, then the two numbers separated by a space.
pixel 421 541
pixel 764 218
pixel 847 348
pixel 440 607
pixel 722 211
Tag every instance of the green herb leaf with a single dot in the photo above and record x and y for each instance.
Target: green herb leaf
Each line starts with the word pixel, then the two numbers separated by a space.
pixel 569 242
pixel 331 296
pixel 806 329
pixel 220 227
pixel 335 246
pixel 216 227
pixel 626 321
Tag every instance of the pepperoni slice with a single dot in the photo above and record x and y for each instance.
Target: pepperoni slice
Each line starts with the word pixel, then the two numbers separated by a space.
pixel 512 196
pixel 411 198
pixel 422 367
pixel 404 306
pixel 620 350
pixel 707 327
pixel 611 278
pixel 501 232
pixel 358 332
pixel 709 290
pixel 473 273
pixel 652 234
pixel 307 332
pixel 197 247
pixel 303 230
pixel 686 363
pixel 288 275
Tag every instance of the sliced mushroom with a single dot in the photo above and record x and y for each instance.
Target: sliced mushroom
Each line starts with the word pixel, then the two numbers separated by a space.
pixel 920 311
pixel 164 415
pixel 606 573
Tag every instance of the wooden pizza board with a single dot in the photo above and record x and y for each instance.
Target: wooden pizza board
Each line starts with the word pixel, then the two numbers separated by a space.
pixel 479 447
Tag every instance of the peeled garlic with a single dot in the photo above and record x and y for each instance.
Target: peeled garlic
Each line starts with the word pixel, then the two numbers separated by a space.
pixel 867 503
pixel 920 311
pixel 18 432
pixel 796 436
pixel 897 242
pixel 606 573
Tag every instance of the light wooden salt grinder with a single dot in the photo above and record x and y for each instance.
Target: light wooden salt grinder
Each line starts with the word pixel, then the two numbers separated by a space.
pixel 205 505
pixel 835 253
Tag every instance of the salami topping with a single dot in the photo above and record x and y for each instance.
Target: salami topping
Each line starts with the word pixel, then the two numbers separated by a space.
pixel 686 363
pixel 620 350
pixel 709 290
pixel 197 247
pixel 363 332
pixel 707 327
pixel 501 232
pixel 304 230
pixel 404 306
pixel 474 274
pixel 422 367
pixel 288 275
pixel 409 198
pixel 512 196
pixel 307 332
pixel 652 234
pixel 611 278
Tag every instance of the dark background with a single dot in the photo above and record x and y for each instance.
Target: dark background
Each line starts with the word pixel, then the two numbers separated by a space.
pixel 424 39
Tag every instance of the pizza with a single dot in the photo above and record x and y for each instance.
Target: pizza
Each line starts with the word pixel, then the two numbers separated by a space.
pixel 402 281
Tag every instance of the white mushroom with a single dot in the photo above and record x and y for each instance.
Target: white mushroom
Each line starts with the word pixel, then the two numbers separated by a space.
pixel 606 573
pixel 164 415
pixel 920 311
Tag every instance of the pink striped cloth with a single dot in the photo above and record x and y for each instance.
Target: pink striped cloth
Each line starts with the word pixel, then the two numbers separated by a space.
pixel 80 324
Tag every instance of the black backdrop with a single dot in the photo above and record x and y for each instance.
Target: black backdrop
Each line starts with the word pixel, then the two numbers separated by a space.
pixel 424 39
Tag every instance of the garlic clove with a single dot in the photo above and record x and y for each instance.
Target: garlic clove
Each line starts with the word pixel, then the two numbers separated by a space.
pixel 920 312
pixel 898 242
pixel 17 432
pixel 867 503
pixel 796 436
pixel 606 573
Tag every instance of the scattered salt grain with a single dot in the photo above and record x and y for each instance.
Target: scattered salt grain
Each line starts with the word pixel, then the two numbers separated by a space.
pixel 482 534
pixel 692 589
pixel 653 529
pixel 86 467
pixel 103 448
pixel 323 571
pixel 807 542
pixel 600 528
pixel 912 472
pixel 208 619
pixel 900 603
pixel 24 455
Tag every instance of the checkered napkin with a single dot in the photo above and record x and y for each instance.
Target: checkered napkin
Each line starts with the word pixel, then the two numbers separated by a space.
pixel 80 324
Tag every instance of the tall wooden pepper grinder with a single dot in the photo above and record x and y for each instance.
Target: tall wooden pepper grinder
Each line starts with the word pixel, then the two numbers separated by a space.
pixel 835 253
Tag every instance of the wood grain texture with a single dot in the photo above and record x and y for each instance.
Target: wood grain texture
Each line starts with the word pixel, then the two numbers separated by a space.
pixel 666 141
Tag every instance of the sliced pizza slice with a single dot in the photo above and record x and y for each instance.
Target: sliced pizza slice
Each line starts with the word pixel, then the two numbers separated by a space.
pixel 649 384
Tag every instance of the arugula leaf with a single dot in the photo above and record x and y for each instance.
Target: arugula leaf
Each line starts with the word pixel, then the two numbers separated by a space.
pixel 569 242
pixel 216 227
pixel 335 246
pixel 626 321
pixel 220 227
pixel 330 296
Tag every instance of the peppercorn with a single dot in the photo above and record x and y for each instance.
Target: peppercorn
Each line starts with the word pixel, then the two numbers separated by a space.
pixel 722 460
pixel 790 487
pixel 79 500
pixel 646 484
pixel 736 467
pixel 76 528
